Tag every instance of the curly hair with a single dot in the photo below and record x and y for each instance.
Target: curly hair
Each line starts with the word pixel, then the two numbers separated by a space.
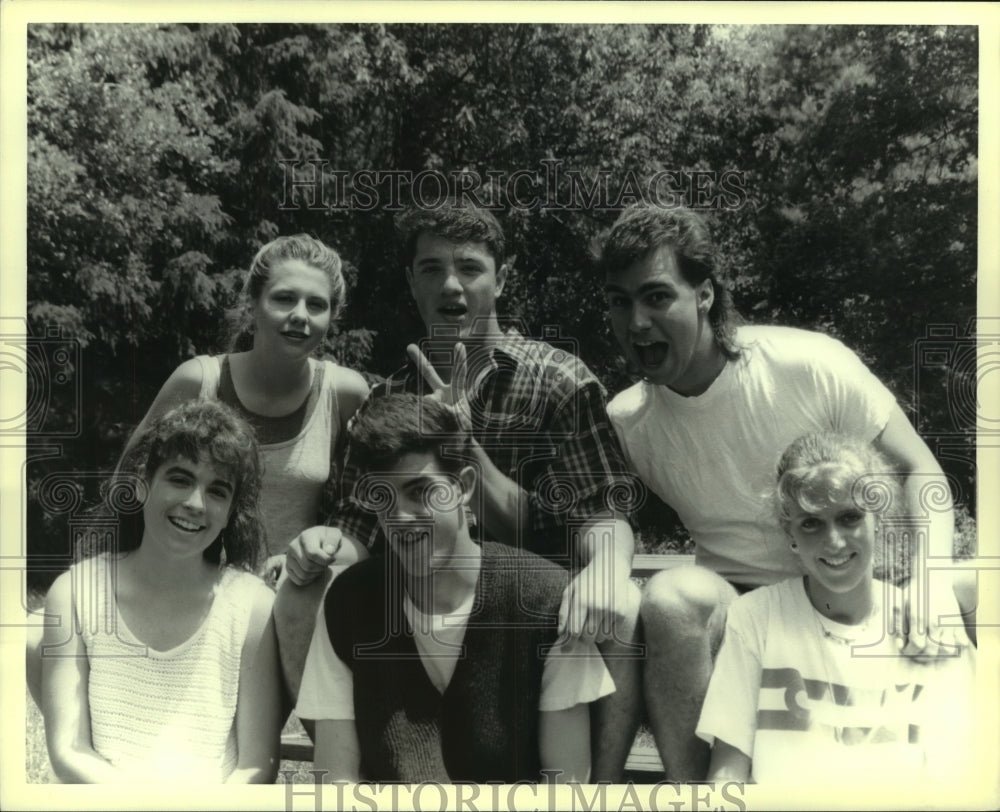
pixel 302 247
pixel 455 221
pixel 212 429
pixel 642 228
pixel 817 466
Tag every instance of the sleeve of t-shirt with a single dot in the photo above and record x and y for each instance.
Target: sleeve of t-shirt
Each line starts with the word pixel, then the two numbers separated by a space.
pixel 573 673
pixel 857 402
pixel 730 709
pixel 327 689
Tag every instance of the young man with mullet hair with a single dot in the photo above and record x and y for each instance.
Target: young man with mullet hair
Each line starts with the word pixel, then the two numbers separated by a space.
pixel 550 472
pixel 704 429
pixel 438 661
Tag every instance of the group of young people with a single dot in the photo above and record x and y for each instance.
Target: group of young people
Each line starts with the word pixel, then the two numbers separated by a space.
pixel 451 551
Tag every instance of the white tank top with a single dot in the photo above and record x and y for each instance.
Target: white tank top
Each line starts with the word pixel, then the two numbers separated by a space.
pixel 166 713
pixel 296 470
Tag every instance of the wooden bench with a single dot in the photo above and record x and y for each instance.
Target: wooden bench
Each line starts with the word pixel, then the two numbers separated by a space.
pixel 643 764
pixel 647 564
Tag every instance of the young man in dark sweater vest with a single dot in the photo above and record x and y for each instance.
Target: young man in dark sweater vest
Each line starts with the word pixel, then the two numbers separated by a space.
pixel 551 477
pixel 444 660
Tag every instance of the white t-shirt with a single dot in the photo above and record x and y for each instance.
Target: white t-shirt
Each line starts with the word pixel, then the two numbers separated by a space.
pixel 713 457
pixel 573 673
pixel 811 700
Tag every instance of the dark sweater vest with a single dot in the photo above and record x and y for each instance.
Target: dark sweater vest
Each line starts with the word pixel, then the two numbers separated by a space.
pixel 485 725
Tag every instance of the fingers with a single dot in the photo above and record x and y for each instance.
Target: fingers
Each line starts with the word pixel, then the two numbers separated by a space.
pixel 922 640
pixel 572 613
pixel 583 614
pixel 273 569
pixel 426 368
pixel 310 553
pixel 564 616
pixel 300 573
pixel 460 370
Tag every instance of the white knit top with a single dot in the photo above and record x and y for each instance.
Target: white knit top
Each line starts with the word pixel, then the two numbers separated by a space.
pixel 172 713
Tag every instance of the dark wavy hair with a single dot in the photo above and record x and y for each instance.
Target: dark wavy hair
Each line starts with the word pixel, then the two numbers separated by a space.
pixel 388 427
pixel 455 221
pixel 302 247
pixel 210 428
pixel 642 228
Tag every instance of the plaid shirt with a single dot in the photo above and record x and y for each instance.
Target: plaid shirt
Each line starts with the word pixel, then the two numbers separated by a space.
pixel 540 415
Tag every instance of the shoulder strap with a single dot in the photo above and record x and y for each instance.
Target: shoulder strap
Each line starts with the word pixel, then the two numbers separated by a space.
pixel 211 373
pixel 93 597
pixel 237 590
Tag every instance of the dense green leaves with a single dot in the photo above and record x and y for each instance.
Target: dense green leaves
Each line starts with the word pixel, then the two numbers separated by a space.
pixel 162 157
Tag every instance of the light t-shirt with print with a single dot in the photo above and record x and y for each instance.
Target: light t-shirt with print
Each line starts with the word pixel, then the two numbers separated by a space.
pixel 811 700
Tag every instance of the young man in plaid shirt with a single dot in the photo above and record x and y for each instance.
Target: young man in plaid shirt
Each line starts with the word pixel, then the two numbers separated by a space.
pixel 551 472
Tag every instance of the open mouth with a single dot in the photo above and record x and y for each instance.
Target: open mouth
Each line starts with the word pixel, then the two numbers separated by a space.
pixel 453 311
pixel 838 562
pixel 185 525
pixel 651 355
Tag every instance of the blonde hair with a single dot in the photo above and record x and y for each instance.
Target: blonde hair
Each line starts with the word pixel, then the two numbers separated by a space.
pixel 309 250
pixel 817 466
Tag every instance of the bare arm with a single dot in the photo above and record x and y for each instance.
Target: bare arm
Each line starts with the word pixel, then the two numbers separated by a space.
pixel 65 675
pixel 600 596
pixel 500 498
pixel 728 763
pixel 564 743
pixel 926 493
pixel 337 750
pixel 352 390
pixel 258 705
pixel 900 442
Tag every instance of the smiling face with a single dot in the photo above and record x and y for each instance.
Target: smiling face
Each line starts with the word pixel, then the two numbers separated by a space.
pixel 188 505
pixel 455 284
pixel 662 324
pixel 835 543
pixel 292 314
pixel 426 524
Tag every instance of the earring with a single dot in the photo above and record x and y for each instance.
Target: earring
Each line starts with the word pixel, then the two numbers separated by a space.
pixel 794 545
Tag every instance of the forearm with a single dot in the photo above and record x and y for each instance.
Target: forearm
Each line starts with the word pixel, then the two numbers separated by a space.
pixel 928 496
pixel 606 543
pixel 338 752
pixel 503 503
pixel 728 763
pixel 928 500
pixel 84 765
pixel 255 774
pixel 564 744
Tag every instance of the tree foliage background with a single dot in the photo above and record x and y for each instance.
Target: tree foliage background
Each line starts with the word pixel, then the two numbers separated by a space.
pixel 160 158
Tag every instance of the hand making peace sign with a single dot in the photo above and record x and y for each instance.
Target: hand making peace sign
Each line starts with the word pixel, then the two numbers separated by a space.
pixel 455 393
